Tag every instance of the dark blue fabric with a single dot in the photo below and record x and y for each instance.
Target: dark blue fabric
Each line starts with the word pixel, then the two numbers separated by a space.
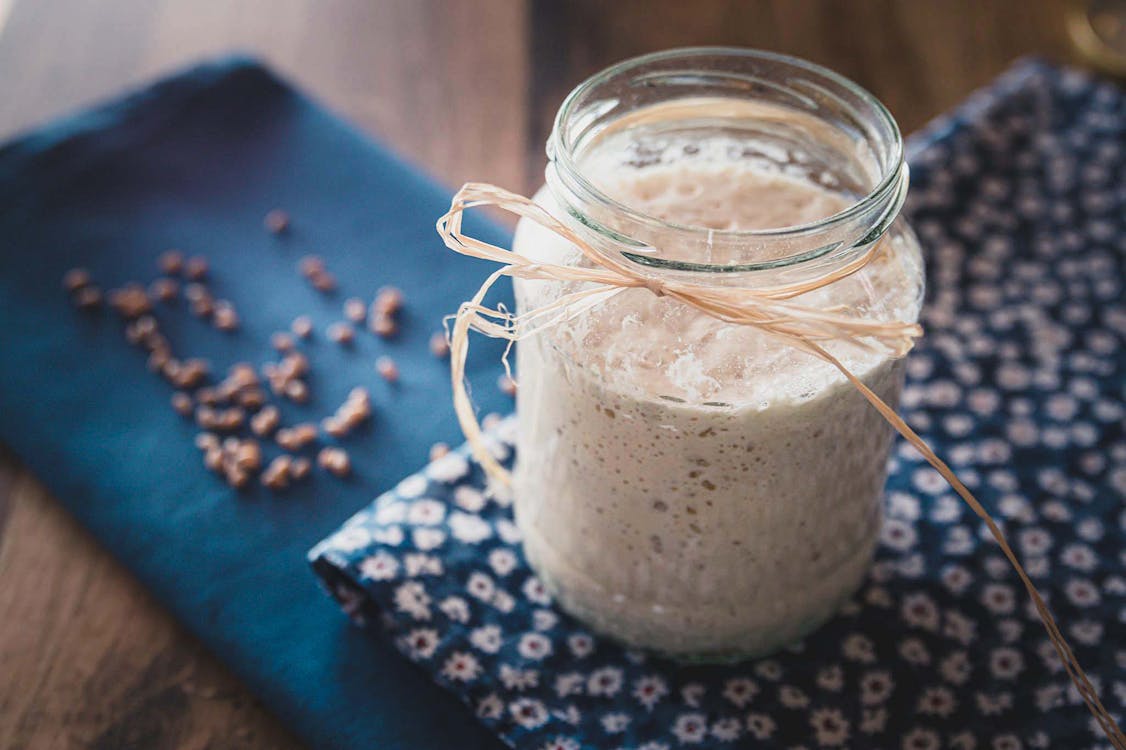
pixel 195 162
pixel 1020 203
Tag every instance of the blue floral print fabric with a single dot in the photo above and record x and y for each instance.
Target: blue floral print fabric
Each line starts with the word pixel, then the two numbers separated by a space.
pixel 1019 198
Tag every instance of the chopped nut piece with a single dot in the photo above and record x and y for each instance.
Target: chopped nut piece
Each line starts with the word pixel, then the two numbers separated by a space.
pixel 249 455
pixel 506 385
pixel 297 437
pixel 283 342
pixel 236 477
pixel 383 325
pixel 202 307
pixel 182 403
pixel 438 450
pixel 276 475
pixel 251 398
pixel 299 468
pixel 191 372
pixel 295 365
pixel 388 301
pixel 335 427
pixel 213 458
pixel 341 333
pixel 209 396
pixel 226 319
pixel 88 298
pixel 355 310
pixel 387 369
pixel 265 421
pixel 324 282
pixel 311 265
pixel 302 326
pixel 75 279
pixel 206 441
pixel 164 290
pixel 196 268
pixel 231 419
pixel 491 420
pixel 439 346
pixel 296 390
pixel 305 433
pixel 130 301
pixel 334 460
pixel 158 359
pixel 276 221
pixel 195 292
pixel 171 262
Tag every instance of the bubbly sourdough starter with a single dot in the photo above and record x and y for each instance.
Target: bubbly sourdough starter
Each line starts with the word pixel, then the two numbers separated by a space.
pixel 692 486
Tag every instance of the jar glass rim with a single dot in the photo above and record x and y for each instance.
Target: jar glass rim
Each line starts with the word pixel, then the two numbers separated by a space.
pixel 562 150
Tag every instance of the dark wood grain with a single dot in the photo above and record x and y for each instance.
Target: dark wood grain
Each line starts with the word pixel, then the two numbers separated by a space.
pixel 467 89
pixel 919 58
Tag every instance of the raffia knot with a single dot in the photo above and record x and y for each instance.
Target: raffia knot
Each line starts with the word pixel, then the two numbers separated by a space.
pixel 656 286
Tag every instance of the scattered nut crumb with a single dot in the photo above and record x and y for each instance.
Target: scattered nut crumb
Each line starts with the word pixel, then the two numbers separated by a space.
pixel 171 262
pixel 130 301
pixel 206 441
pixel 335 427
pixel 276 221
pixel 387 369
pixel 282 342
pixel 299 468
pixel 209 396
pixel 383 326
pixel 75 279
pixel 355 310
pixel 302 326
pixel 438 450
pixel 196 268
pixel 88 297
pixel 341 333
pixel 296 390
pixel 324 282
pixel 506 385
pixel 491 420
pixel 249 455
pixel 295 364
pixel 164 290
pixel 388 301
pixel 225 317
pixel 334 460
pixel 203 307
pixel 251 398
pixel 276 475
pixel 213 458
pixel 439 346
pixel 195 291
pixel 182 403
pixel 158 359
pixel 265 421
pixel 355 409
pixel 311 265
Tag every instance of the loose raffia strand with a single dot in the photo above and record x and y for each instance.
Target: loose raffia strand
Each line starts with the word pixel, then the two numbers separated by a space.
pixel 768 310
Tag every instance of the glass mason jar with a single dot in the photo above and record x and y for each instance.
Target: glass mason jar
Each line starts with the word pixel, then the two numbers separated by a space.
pixel 686 485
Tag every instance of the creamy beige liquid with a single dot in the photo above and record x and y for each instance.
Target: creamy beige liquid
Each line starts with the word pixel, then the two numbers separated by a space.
pixel 691 486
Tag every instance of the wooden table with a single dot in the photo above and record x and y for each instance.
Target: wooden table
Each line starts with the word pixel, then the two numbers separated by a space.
pixel 467 88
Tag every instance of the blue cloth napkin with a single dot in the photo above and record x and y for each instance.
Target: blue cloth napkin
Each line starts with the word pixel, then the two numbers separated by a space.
pixel 195 162
pixel 1020 203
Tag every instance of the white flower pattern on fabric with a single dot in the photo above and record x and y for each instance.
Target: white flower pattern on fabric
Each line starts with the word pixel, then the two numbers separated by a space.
pixel 1017 383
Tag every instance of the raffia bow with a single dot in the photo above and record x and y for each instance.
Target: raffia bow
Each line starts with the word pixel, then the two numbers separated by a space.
pixel 770 310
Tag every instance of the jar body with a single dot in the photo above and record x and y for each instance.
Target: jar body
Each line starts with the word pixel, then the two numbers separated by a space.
pixel 707 525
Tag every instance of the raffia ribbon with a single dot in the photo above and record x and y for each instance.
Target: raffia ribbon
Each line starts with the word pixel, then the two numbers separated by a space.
pixel 770 310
